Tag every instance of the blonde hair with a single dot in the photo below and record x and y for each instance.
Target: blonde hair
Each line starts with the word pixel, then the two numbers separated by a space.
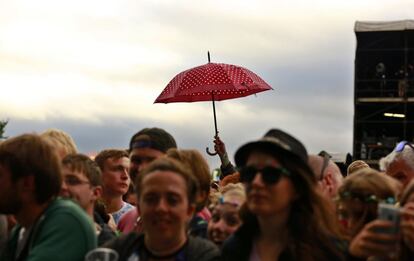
pixel 370 182
pixel 234 190
pixel 194 161
pixel 356 166
pixel 369 186
pixel 227 194
pixel 61 141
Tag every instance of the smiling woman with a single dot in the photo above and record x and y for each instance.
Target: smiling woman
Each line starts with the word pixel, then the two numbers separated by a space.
pixel 166 196
pixel 225 218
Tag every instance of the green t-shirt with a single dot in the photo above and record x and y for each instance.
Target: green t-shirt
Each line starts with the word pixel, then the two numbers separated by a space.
pixel 63 232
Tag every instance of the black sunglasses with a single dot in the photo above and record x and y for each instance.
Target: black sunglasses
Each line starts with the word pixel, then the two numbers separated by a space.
pixel 270 175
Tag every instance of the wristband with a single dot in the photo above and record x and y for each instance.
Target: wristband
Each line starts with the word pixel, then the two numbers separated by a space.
pixel 225 159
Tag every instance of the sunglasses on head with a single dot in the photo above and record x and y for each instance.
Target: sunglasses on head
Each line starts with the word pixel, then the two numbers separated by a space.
pixel 270 175
pixel 370 198
pixel 400 146
pixel 326 157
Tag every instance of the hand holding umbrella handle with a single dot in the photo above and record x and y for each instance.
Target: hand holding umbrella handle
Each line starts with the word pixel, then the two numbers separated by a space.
pixel 211 153
pixel 219 149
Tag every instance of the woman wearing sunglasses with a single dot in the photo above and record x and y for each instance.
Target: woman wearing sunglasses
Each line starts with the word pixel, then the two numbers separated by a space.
pixel 284 217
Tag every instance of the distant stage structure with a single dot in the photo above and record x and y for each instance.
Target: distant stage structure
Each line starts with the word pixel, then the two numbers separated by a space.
pixel 384 88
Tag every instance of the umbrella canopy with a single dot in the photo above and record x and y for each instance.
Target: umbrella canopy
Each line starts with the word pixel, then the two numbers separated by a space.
pixel 212 81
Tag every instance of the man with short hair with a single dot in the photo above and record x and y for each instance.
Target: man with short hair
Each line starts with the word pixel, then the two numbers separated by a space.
pixel 147 145
pixel 327 174
pixel 114 165
pixel 399 164
pixel 144 147
pixel 49 228
pixel 82 182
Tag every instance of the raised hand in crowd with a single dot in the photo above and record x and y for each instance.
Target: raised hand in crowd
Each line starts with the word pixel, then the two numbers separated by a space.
pixel 220 148
pixel 371 242
pixel 227 167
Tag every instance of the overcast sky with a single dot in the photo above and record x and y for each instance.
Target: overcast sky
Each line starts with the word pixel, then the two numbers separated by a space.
pixel 93 68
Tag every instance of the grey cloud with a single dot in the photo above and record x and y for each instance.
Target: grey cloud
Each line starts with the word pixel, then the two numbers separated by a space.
pixel 112 132
pixel 313 84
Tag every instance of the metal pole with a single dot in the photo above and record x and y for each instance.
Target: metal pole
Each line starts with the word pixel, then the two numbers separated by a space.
pixel 214 112
pixel 215 125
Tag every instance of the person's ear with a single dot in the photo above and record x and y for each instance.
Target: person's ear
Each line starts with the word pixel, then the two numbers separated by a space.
pixel 97 192
pixel 191 210
pixel 328 181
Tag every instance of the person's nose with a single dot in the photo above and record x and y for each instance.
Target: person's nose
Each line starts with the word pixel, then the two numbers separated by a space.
pixel 125 174
pixel 64 191
pixel 162 205
pixel 220 225
pixel 258 180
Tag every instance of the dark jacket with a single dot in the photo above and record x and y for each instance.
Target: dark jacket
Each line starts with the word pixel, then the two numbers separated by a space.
pixel 239 246
pixel 196 249
pixel 198 227
pixel 106 234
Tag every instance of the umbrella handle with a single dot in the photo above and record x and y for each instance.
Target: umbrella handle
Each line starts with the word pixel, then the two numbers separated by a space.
pixel 211 153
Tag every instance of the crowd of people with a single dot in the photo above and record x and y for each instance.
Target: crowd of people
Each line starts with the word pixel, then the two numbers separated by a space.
pixel 157 201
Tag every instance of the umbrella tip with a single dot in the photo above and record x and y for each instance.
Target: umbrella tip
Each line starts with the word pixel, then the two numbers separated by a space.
pixel 208 56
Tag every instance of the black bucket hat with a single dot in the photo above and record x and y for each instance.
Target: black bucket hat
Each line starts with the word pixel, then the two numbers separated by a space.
pixel 278 143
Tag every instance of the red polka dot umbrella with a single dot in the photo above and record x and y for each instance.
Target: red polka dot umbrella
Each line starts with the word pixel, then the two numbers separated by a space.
pixel 212 82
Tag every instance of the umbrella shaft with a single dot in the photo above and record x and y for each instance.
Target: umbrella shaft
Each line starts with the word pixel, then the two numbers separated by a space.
pixel 214 113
